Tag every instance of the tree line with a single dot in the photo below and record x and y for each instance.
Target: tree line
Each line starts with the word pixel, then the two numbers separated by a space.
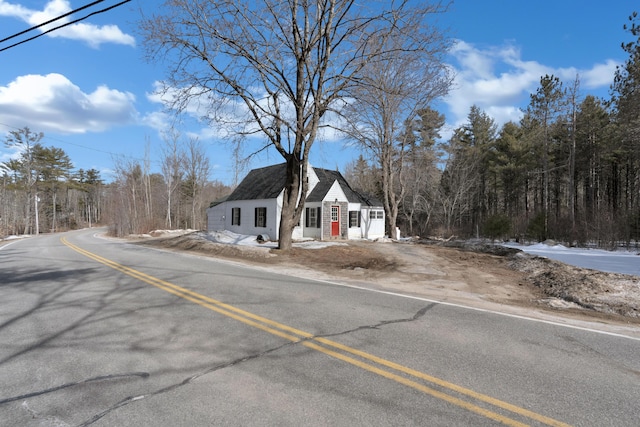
pixel 569 170
pixel 42 192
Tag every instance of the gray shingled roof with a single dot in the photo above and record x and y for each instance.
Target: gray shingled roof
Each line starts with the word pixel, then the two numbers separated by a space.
pixel 268 182
pixel 263 183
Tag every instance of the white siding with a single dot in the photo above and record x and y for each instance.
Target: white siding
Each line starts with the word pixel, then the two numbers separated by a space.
pixel 216 218
pixel 247 217
pixel 314 232
pixel 355 232
pixel 313 179
pixel 372 228
pixel 335 193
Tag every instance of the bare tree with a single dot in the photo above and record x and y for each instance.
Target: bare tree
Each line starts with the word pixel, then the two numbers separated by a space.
pixel 126 214
pixel 457 183
pixel 275 67
pixel 363 177
pixel 172 166
pixel 395 89
pixel 146 181
pixel 197 168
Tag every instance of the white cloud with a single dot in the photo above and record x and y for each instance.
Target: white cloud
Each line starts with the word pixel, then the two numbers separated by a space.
pixel 52 103
pixel 91 34
pixel 499 81
pixel 14 10
pixel 157 120
pixel 601 75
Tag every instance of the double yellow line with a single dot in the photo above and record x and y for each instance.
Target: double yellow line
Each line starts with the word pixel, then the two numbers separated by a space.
pixel 385 368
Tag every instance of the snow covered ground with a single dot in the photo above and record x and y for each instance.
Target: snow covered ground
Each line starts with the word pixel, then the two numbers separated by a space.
pixel 231 238
pixel 596 259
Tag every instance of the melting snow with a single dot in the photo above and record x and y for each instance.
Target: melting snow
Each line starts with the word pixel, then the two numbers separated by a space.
pixel 231 238
pixel 624 262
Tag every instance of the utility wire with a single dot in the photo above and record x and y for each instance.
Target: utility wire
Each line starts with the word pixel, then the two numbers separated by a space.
pixel 50 21
pixel 49 138
pixel 67 24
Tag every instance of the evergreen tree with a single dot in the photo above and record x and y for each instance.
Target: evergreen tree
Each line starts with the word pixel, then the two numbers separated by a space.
pixel 422 174
pixel 626 102
pixel 26 173
pixel 54 167
pixel 476 140
pixel 545 107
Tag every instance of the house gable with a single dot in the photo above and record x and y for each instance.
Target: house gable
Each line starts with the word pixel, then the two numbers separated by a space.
pixel 326 180
pixel 335 193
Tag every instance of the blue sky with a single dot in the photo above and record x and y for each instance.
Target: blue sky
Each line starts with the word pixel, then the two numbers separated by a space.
pixel 89 89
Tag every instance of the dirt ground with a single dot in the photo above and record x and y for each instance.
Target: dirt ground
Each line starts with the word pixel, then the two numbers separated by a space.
pixel 482 276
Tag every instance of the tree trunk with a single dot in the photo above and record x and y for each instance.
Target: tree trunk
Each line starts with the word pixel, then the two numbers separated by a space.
pixel 54 201
pixel 290 210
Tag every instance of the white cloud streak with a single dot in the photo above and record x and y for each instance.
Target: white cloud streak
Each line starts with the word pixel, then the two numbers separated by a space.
pixel 90 34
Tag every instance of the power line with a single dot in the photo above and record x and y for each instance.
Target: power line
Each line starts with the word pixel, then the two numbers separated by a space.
pixel 63 25
pixel 46 137
pixel 50 21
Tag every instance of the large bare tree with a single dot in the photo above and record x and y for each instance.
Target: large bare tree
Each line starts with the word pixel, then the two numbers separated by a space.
pixel 394 90
pixel 276 67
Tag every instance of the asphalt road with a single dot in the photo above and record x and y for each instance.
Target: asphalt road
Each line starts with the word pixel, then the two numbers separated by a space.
pixel 98 332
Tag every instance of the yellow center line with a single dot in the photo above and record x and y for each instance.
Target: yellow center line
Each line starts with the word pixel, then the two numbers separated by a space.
pixel 310 341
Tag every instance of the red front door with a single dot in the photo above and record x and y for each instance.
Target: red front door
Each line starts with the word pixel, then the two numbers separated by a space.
pixel 335 221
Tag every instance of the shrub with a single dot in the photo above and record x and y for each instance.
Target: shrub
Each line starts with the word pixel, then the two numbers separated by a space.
pixel 497 226
pixel 535 229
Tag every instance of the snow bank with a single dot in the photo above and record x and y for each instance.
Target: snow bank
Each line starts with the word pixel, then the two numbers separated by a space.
pixel 624 262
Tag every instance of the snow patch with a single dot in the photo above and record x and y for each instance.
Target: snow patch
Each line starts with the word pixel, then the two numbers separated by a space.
pixel 624 262
pixel 14 237
pixel 231 238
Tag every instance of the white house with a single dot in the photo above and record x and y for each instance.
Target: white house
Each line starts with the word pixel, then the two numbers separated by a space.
pixel 333 210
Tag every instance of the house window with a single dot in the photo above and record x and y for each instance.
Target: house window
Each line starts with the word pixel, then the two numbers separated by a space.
pixel 380 215
pixel 261 217
pixel 312 217
pixel 354 219
pixel 372 214
pixel 235 216
pixel 335 213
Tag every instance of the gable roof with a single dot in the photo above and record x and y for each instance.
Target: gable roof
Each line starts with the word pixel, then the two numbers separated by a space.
pixel 326 179
pixel 262 183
